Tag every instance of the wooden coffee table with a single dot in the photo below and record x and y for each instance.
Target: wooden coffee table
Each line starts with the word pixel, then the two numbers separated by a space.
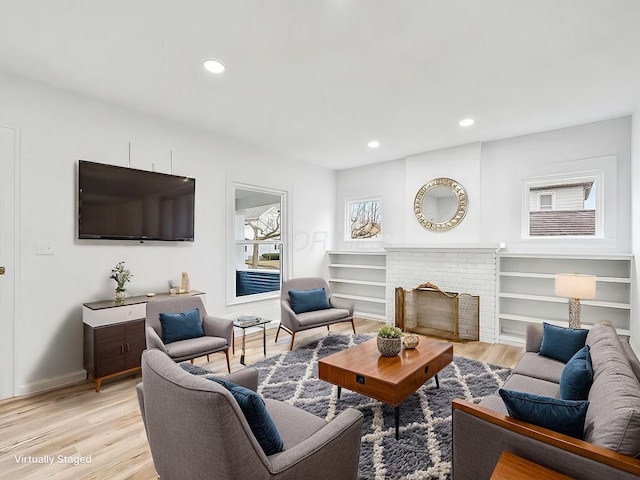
pixel 391 380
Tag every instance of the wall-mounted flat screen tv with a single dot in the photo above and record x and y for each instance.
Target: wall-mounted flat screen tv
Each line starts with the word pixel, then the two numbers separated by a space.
pixel 127 204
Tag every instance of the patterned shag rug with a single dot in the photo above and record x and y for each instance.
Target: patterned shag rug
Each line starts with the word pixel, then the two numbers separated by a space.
pixel 424 448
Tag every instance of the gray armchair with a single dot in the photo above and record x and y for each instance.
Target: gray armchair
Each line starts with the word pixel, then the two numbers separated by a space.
pixel 218 332
pixel 196 430
pixel 290 322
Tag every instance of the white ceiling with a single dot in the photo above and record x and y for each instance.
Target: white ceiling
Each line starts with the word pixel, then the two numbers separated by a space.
pixel 316 80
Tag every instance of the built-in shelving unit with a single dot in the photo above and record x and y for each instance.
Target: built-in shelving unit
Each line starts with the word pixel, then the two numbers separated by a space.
pixel 526 292
pixel 360 276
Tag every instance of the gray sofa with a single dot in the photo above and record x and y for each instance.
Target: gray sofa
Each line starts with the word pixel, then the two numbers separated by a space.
pixel 612 427
pixel 196 430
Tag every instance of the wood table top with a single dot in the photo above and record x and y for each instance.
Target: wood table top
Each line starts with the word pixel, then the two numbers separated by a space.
pixel 512 466
pixel 366 360
pixel 391 380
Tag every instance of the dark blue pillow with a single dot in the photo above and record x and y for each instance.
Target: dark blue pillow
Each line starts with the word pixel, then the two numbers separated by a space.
pixel 181 326
pixel 308 300
pixel 561 343
pixel 562 416
pixel 257 416
pixel 577 376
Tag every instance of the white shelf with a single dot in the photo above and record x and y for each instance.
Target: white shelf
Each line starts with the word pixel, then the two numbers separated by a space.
pixel 358 282
pixel 542 298
pixel 526 291
pixel 360 298
pixel 354 266
pixel 360 276
pixel 552 276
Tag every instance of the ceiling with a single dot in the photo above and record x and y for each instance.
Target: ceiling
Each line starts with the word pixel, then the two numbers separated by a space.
pixel 315 80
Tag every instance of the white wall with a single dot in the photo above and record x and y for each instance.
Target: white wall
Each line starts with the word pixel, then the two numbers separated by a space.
pixel 384 180
pixel 506 163
pixel 492 173
pixel 57 129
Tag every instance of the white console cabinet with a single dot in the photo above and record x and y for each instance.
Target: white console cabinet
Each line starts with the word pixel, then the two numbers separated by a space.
pixel 114 336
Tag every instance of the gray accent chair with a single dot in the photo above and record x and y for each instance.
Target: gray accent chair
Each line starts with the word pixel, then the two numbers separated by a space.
pixel 196 430
pixel 290 322
pixel 218 332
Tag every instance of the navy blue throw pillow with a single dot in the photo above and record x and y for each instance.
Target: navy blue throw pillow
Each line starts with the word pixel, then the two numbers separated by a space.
pixel 308 300
pixel 181 326
pixel 562 416
pixel 577 376
pixel 561 343
pixel 257 416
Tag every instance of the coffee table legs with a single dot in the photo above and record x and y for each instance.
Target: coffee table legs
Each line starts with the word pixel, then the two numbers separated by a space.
pixel 396 410
pixel 244 334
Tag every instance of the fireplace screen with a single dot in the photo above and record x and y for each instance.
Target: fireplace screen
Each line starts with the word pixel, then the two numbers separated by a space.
pixel 428 310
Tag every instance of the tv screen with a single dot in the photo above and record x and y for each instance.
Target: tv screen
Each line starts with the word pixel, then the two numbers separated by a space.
pixel 128 204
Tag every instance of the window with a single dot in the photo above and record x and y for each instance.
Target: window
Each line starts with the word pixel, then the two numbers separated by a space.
pixel 364 219
pixel 258 241
pixel 568 205
pixel 546 200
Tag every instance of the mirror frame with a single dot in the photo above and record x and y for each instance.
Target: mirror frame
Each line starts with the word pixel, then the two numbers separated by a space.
pixel 459 214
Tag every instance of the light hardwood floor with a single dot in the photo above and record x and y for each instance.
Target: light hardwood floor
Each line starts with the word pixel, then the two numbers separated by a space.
pixel 76 422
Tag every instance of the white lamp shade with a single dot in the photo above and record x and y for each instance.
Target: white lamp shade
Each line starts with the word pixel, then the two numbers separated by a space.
pixel 573 285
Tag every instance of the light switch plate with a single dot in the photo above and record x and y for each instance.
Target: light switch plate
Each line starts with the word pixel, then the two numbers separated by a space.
pixel 44 248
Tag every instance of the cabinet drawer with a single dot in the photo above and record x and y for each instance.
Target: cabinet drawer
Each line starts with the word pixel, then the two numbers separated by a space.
pixel 108 316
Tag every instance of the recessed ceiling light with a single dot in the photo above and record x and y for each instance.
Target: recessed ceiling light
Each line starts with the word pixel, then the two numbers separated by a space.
pixel 214 66
pixel 373 144
pixel 466 122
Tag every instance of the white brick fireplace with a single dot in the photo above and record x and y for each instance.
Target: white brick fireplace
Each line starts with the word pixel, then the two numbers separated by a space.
pixel 463 268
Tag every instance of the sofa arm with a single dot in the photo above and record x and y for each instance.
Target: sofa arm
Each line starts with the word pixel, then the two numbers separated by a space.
pixel 218 327
pixel 140 394
pixel 332 452
pixel 247 378
pixel 534 338
pixel 288 316
pixel 475 459
pixel 154 340
pixel 342 303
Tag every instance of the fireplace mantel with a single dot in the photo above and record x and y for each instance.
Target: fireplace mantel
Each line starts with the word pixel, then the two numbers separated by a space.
pixel 465 247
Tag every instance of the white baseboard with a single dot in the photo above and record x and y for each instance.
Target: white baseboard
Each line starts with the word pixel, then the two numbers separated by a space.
pixel 52 383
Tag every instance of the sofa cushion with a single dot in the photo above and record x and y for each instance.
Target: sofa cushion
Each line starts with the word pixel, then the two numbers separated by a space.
pixel 308 300
pixel 561 343
pixel 181 326
pixel 321 317
pixel 536 366
pixel 577 376
pixel 257 416
pixel 613 419
pixel 294 425
pixel 562 416
pixel 192 347
pixel 522 383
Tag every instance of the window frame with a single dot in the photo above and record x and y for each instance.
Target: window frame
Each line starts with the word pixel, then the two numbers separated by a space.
pixel 347 218
pixel 553 200
pixel 597 176
pixel 233 185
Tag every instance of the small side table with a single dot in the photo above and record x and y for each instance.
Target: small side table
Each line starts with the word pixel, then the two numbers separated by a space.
pixel 511 466
pixel 244 323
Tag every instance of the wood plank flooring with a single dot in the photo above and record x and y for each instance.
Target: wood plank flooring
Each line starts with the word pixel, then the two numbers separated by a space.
pixel 106 428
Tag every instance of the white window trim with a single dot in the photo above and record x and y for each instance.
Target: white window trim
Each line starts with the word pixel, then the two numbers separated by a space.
pixel 234 182
pixel 596 175
pixel 347 219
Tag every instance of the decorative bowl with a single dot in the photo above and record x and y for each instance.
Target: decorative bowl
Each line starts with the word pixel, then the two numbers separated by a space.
pixel 389 347
pixel 410 340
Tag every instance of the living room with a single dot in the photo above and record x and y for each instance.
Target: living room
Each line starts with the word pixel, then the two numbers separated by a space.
pixel 51 120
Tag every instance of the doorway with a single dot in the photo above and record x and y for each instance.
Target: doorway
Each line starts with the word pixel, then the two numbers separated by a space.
pixel 9 141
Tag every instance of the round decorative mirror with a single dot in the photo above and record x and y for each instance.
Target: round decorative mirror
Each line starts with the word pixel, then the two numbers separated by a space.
pixel 440 204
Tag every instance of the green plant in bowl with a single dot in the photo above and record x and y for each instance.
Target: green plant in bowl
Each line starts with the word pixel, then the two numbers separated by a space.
pixel 389 331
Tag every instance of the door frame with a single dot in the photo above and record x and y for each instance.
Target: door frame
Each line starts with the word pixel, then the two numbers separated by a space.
pixel 9 223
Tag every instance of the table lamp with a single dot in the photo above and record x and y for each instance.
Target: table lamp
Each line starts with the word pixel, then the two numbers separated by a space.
pixel 575 287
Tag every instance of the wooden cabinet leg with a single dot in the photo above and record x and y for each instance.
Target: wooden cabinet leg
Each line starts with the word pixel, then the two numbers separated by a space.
pixel 98 384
